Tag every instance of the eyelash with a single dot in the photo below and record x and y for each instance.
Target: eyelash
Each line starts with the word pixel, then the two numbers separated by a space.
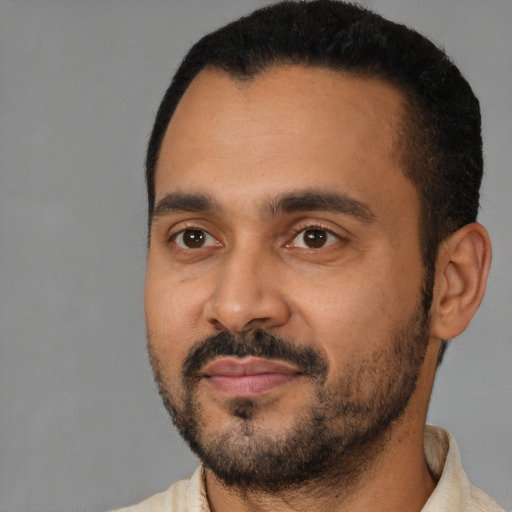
pixel 171 239
pixel 312 227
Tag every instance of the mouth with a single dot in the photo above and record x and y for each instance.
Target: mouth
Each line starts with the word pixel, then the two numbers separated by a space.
pixel 248 376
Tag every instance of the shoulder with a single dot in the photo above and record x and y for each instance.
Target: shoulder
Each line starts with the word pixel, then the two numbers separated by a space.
pixel 155 503
pixel 182 496
pixel 453 492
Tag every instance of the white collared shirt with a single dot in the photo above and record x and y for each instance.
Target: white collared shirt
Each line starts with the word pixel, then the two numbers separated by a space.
pixel 453 492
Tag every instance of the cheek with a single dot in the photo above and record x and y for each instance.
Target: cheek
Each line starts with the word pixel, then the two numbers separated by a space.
pixel 171 310
pixel 170 292
pixel 342 320
pixel 356 311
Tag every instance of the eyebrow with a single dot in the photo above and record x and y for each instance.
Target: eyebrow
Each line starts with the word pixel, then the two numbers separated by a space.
pixel 318 200
pixel 292 202
pixel 184 202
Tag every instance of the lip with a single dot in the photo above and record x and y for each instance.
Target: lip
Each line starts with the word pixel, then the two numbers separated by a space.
pixel 248 376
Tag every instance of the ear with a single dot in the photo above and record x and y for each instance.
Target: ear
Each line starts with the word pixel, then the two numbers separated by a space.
pixel 462 268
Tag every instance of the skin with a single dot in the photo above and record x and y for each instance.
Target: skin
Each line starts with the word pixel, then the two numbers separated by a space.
pixel 245 145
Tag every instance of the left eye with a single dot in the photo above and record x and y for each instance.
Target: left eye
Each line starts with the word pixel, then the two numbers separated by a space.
pixel 194 239
pixel 314 238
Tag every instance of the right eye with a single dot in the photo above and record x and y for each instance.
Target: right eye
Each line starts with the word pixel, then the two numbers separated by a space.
pixel 194 239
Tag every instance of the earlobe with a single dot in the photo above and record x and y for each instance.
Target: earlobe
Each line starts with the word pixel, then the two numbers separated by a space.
pixel 462 268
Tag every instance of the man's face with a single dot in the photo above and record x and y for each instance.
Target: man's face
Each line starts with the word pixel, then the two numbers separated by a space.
pixel 284 278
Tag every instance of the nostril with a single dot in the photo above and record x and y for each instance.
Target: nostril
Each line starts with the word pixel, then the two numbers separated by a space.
pixel 255 323
pixel 216 324
pixel 258 322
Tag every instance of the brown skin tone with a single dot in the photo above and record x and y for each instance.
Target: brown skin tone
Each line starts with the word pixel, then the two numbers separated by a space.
pixel 245 144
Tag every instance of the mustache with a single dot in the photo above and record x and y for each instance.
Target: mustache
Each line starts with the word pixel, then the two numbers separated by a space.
pixel 257 343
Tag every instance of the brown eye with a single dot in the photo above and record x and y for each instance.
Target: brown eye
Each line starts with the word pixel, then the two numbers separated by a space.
pixel 314 238
pixel 193 239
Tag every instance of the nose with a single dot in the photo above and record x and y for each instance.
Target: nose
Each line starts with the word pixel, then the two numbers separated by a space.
pixel 247 294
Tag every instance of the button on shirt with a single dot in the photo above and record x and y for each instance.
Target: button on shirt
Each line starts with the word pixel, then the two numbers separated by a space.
pixel 453 492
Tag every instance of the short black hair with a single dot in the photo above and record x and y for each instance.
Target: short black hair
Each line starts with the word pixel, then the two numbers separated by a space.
pixel 439 139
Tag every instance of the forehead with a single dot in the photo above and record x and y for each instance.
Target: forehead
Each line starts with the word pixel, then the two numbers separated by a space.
pixel 288 127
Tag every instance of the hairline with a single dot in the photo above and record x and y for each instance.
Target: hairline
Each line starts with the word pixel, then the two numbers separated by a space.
pixel 407 122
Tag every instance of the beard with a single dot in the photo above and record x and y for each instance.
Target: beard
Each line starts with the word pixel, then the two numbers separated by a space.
pixel 339 431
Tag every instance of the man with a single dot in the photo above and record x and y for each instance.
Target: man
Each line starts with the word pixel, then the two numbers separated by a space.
pixel 313 183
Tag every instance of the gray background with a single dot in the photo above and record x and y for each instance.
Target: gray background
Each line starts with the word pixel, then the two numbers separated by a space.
pixel 81 425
